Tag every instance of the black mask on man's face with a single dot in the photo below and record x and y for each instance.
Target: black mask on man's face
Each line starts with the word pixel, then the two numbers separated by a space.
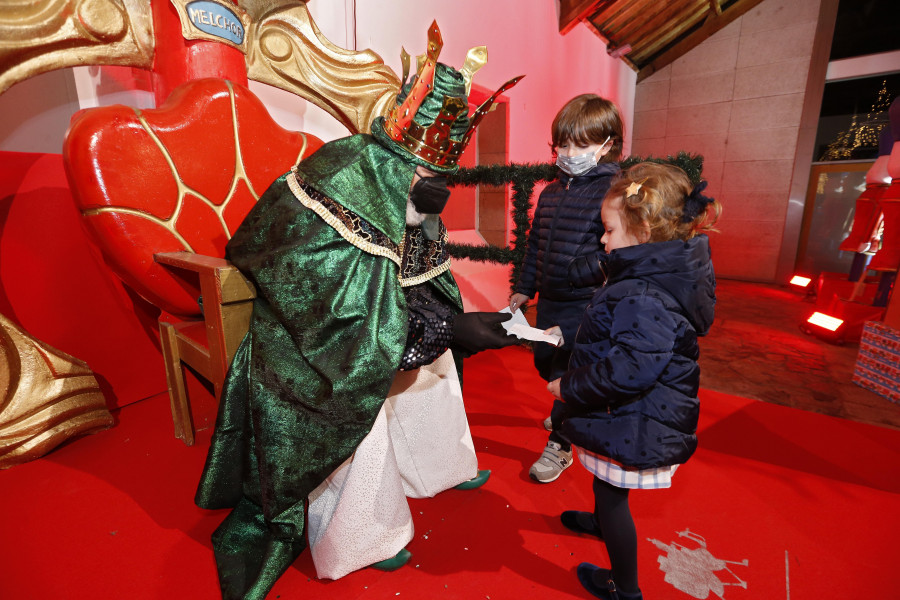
pixel 429 195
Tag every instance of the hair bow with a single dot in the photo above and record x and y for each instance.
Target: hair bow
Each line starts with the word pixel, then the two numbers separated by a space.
pixel 695 203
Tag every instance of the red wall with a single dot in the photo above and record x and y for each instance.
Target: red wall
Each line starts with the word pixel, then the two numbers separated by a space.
pixel 55 285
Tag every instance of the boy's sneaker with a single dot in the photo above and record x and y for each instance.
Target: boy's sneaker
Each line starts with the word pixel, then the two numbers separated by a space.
pixel 548 424
pixel 551 464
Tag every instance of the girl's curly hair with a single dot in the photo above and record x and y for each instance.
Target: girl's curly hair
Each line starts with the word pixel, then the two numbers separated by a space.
pixel 661 197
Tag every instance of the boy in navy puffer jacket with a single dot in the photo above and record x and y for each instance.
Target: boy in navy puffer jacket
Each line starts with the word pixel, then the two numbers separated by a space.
pixel 563 261
pixel 628 402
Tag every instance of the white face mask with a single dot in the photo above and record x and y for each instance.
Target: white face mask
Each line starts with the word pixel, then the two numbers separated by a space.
pixel 581 164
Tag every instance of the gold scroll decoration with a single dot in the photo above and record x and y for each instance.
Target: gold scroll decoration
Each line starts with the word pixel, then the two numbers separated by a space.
pixel 287 50
pixel 36 37
pixel 46 397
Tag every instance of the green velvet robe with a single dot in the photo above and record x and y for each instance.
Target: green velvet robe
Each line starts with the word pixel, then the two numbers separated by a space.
pixel 329 252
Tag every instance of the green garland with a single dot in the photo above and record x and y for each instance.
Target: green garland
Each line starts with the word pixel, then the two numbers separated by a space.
pixel 692 164
pixel 523 177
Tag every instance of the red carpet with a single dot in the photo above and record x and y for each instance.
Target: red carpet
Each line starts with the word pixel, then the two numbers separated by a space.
pixel 776 504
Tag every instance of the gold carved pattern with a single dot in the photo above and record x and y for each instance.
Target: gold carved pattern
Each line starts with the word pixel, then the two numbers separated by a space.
pixel 36 37
pixel 46 397
pixel 171 223
pixel 287 50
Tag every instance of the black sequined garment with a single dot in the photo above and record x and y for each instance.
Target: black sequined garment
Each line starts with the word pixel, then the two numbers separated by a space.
pixel 430 329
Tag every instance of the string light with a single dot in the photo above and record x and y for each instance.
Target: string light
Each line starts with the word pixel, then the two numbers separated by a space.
pixel 861 135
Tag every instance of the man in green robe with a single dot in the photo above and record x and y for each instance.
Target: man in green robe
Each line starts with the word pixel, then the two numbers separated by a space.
pixel 347 256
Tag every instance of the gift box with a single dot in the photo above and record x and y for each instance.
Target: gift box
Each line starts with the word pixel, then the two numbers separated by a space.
pixel 878 362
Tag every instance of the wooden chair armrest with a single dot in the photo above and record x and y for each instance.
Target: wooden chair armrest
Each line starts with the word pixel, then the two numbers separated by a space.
pixel 228 284
pixel 192 261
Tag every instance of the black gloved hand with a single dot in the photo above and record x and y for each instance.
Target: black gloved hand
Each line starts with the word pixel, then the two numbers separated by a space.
pixel 477 331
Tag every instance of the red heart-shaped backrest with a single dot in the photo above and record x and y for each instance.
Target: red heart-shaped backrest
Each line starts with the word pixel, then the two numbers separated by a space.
pixel 179 177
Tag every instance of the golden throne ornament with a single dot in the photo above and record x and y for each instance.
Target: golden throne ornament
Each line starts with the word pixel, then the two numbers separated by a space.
pixel 46 397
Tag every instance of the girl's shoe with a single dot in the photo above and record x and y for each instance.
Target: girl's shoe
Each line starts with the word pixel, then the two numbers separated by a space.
pixel 580 521
pixel 599 583
pixel 553 461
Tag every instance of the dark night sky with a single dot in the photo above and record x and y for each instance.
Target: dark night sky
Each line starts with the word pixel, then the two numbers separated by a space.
pixel 862 27
pixel 866 27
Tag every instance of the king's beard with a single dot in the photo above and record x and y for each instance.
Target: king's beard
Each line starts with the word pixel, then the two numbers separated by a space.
pixel 413 217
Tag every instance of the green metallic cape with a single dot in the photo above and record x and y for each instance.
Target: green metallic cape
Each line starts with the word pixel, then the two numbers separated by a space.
pixel 327 334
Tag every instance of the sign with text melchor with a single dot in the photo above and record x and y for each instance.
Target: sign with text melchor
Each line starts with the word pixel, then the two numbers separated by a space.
pixel 213 20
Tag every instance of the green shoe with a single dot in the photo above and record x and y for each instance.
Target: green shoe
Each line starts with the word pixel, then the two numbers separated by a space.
pixel 393 563
pixel 475 482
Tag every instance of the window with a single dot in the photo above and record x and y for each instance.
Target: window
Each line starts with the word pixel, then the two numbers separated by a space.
pixel 853 114
pixel 865 27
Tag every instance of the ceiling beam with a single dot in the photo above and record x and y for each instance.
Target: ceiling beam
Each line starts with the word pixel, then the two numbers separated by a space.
pixel 711 26
pixel 573 12
pixel 617 11
pixel 673 21
pixel 654 40
pixel 619 15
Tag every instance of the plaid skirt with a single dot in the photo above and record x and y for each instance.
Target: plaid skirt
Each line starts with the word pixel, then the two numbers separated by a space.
pixel 625 477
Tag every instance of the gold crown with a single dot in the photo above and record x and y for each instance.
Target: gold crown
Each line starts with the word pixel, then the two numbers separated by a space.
pixel 433 143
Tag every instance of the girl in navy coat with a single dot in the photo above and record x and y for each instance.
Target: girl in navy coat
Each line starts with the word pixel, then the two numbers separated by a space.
pixel 562 263
pixel 628 402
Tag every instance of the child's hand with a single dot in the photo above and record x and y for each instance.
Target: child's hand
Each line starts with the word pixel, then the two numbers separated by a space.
pixel 555 330
pixel 553 386
pixel 517 301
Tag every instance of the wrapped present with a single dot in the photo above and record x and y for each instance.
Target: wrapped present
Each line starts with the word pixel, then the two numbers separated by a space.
pixel 878 362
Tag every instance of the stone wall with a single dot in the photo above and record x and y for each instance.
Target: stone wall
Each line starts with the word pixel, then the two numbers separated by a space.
pixel 737 99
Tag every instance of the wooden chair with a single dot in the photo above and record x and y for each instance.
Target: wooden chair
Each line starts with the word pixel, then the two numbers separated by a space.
pixel 161 191
pixel 206 344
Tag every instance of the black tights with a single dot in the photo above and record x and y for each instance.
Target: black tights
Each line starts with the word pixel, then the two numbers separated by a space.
pixel 617 526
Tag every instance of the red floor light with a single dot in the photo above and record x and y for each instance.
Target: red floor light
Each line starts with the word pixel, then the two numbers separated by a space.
pixel 800 281
pixel 825 321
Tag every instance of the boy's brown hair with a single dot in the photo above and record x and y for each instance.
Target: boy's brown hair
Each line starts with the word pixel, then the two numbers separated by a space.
pixel 661 197
pixel 589 119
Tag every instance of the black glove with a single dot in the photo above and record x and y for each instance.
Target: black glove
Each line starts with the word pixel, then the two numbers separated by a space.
pixel 558 414
pixel 477 331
